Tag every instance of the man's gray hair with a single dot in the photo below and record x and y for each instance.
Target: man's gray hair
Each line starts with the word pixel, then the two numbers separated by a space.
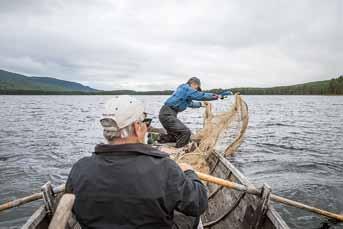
pixel 125 132
pixel 112 130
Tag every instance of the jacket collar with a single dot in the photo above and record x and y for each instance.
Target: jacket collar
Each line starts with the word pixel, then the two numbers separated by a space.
pixel 133 148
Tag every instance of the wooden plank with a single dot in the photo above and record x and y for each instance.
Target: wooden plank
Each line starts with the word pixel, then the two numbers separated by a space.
pixel 36 219
pixel 63 212
pixel 276 219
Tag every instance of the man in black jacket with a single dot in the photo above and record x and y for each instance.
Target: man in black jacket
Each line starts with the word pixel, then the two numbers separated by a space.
pixel 128 184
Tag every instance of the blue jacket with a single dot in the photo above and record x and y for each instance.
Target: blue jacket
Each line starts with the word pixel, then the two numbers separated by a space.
pixel 184 95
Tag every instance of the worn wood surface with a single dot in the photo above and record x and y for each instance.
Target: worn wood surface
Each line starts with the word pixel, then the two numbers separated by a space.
pixel 38 220
pixel 63 212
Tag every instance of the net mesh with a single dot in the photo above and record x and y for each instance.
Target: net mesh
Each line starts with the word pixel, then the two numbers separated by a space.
pixel 222 132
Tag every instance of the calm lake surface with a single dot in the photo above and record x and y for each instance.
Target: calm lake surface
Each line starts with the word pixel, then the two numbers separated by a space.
pixel 293 143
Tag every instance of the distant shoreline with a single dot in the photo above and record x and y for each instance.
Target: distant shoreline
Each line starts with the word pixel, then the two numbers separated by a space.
pixel 148 93
pixel 16 84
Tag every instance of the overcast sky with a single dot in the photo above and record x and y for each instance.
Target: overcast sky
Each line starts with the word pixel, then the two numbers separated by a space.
pixel 155 45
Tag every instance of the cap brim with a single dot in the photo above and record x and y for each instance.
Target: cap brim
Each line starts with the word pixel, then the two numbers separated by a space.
pixel 148 114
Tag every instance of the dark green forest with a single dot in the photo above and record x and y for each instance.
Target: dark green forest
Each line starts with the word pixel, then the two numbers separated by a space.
pixel 326 87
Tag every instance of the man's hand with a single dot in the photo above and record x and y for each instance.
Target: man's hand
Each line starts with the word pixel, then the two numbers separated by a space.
pixel 185 166
pixel 215 96
pixel 168 150
pixel 225 94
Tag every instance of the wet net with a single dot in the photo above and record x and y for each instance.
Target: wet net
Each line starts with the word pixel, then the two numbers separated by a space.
pixel 222 132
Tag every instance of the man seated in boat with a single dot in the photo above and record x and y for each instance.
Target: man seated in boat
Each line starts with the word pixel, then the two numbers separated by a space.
pixel 128 184
pixel 186 95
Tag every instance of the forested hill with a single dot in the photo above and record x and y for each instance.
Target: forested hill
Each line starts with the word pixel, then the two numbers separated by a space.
pixel 11 82
pixel 326 87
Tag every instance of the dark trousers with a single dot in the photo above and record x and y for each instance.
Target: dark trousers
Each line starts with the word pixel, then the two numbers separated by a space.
pixel 176 130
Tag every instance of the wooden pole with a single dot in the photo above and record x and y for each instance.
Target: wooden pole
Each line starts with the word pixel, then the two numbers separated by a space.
pixel 273 197
pixel 63 211
pixel 28 199
pixel 18 202
pixel 296 204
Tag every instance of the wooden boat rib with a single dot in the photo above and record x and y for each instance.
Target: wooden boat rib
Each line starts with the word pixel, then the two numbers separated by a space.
pixel 227 208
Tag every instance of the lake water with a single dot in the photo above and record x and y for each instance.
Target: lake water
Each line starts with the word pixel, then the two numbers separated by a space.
pixel 293 143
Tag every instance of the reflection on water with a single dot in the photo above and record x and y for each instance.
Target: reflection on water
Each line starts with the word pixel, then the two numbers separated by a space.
pixel 293 143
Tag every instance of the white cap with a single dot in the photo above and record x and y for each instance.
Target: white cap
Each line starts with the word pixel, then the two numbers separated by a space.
pixel 124 110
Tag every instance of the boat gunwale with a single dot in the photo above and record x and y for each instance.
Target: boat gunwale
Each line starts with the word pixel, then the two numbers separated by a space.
pixel 36 218
pixel 272 213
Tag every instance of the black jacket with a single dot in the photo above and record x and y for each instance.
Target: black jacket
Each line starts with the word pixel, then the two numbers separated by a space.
pixel 133 186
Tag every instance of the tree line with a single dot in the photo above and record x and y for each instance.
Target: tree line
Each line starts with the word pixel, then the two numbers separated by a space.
pixel 327 87
pixel 336 86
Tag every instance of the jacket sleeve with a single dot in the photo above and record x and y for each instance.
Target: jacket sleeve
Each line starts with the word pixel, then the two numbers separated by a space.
pixel 69 183
pixel 195 104
pixel 187 191
pixel 201 96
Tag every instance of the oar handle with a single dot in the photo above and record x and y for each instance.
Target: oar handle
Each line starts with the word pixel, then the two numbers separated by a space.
pixel 18 202
pixel 226 183
pixel 273 197
pixel 28 199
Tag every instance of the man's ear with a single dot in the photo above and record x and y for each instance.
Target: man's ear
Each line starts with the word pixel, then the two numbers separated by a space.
pixel 136 128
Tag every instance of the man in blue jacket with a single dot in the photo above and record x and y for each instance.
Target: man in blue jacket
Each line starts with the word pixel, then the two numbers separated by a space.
pixel 180 100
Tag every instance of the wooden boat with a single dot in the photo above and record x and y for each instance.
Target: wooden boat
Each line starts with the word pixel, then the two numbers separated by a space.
pixel 227 208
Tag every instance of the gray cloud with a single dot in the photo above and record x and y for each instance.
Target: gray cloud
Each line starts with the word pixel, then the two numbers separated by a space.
pixel 152 45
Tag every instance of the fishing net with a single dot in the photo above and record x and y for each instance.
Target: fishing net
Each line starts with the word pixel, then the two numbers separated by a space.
pixel 222 132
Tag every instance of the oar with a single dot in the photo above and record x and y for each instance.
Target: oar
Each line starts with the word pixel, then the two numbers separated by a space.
pixel 28 199
pixel 273 197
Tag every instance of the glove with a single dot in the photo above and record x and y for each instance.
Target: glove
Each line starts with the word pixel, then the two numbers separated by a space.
pixel 215 96
pixel 225 94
